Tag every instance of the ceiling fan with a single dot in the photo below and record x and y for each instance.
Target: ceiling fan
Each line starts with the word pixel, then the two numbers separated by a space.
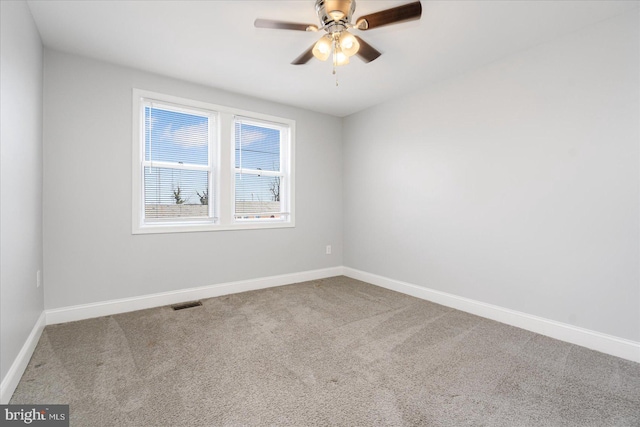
pixel 335 19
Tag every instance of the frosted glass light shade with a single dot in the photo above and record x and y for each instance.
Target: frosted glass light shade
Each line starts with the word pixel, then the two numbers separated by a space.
pixel 322 49
pixel 340 58
pixel 348 43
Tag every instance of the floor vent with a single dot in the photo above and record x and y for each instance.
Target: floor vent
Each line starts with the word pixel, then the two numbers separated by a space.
pixel 186 305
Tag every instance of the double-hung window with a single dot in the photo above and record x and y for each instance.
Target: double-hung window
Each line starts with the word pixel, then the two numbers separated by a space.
pixel 204 167
pixel 177 164
pixel 260 175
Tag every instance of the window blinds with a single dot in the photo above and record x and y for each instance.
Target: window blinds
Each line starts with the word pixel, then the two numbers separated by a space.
pixel 259 178
pixel 177 170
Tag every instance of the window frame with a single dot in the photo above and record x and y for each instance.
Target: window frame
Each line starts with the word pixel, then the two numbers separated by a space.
pixel 209 168
pixel 221 164
pixel 283 173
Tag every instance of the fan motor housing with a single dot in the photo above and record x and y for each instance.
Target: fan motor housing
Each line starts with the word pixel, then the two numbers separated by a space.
pixel 331 12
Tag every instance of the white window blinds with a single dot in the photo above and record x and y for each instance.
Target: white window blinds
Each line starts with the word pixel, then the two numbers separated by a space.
pixel 199 166
pixel 261 172
pixel 177 164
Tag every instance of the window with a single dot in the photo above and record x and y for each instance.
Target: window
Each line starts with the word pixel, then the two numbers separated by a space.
pixel 260 170
pixel 181 181
pixel 177 164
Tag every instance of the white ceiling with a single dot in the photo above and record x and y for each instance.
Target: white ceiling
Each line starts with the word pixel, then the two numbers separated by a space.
pixel 214 43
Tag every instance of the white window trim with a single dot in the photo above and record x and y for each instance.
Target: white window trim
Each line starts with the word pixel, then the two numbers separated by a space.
pixel 210 167
pixel 223 171
pixel 285 162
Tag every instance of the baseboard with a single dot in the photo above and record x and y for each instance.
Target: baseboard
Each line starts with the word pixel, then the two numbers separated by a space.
pixel 604 343
pixel 11 380
pixel 106 308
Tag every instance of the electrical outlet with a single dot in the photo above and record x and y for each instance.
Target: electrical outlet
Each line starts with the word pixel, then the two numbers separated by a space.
pixel 38 279
pixel 328 249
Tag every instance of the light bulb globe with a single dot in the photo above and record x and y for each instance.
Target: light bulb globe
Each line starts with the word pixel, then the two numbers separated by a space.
pixel 348 43
pixel 322 49
pixel 341 58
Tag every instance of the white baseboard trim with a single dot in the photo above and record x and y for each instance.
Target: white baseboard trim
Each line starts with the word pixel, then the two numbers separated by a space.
pixel 11 380
pixel 124 305
pixel 604 343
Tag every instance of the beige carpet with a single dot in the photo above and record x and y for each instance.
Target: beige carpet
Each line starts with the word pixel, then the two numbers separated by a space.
pixel 327 352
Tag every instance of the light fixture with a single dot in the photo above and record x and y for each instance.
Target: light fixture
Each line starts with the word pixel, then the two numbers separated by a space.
pixel 335 19
pixel 336 9
pixel 336 15
pixel 348 43
pixel 341 43
pixel 339 57
pixel 322 48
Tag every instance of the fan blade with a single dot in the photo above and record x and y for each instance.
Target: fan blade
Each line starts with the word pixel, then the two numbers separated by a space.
pixel 281 25
pixel 304 57
pixel 406 12
pixel 366 52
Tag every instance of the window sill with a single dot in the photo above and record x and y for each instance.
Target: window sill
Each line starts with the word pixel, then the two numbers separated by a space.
pixel 200 227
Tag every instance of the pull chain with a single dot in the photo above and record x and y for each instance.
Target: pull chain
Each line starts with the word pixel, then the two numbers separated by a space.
pixel 335 60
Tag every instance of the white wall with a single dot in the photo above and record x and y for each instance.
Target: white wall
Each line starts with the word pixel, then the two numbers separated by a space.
pixel 515 185
pixel 21 303
pixel 89 251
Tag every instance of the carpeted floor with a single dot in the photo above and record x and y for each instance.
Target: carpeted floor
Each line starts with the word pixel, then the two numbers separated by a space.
pixel 328 352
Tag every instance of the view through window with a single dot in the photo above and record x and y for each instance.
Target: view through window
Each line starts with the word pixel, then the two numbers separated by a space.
pixel 201 167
